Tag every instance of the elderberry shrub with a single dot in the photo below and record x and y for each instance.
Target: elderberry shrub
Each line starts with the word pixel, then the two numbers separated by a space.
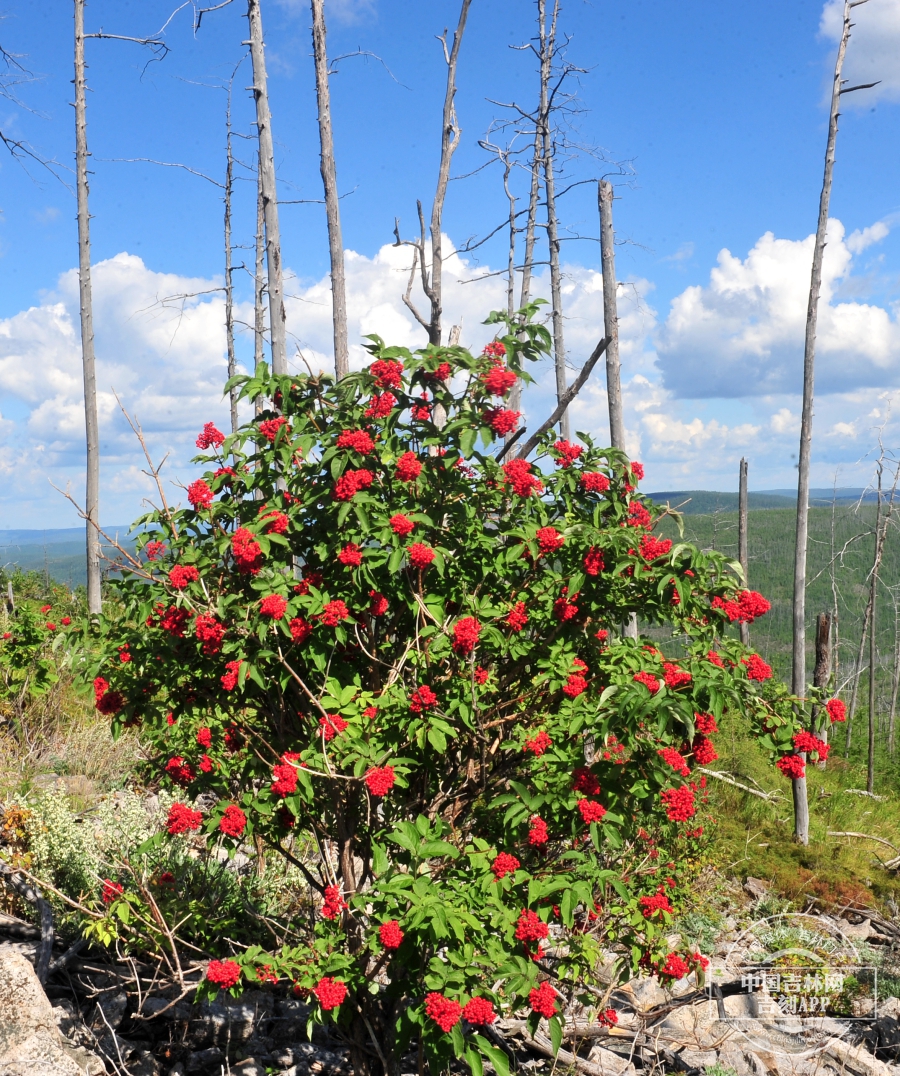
pixel 404 640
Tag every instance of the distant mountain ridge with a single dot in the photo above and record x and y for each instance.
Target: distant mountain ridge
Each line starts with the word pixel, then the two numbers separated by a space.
pixel 703 501
pixel 51 535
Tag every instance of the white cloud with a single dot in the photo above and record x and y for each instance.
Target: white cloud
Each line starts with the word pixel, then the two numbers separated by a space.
pixel 873 52
pixel 742 334
pixel 860 239
pixel 733 338
pixel 784 421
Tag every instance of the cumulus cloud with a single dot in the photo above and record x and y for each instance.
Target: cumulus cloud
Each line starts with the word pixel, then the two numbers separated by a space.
pixel 873 52
pixel 742 334
pixel 704 387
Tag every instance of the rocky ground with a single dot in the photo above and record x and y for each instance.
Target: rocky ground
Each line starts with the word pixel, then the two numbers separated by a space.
pixel 95 1017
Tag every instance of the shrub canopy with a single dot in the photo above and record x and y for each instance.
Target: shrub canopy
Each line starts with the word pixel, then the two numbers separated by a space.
pixel 384 648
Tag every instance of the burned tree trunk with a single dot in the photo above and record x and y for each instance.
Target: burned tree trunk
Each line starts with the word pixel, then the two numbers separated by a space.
pixel 822 672
pixel 332 205
pixel 547 48
pixel 743 555
pixel 229 283
pixel 91 421
pixel 277 329
pixel 611 316
pixel 798 675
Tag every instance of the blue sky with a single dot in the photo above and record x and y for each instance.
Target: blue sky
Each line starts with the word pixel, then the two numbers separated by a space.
pixel 716 114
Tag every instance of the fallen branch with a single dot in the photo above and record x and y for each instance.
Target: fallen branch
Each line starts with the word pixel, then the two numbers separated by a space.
pixel 567 397
pixel 863 836
pixel 35 897
pixel 737 784
pixel 863 792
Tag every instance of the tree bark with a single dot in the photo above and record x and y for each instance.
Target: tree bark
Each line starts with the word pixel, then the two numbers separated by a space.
pixel 259 278
pixel 450 134
pixel 743 555
pixel 798 676
pixel 229 282
pixel 895 686
pixel 857 676
pixel 548 43
pixel 822 672
pixel 332 205
pixel 873 632
pixel 277 330
pixel 515 396
pixel 611 316
pixel 91 421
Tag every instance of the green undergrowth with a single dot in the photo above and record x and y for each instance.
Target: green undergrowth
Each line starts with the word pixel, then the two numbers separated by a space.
pixel 754 837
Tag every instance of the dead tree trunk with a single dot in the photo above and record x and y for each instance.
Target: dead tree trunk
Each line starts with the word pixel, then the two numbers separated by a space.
pixel 229 283
pixel 798 676
pixel 450 135
pixel 91 421
pixel 611 316
pixel 873 634
pixel 431 279
pixel 743 555
pixel 547 48
pixel 857 676
pixel 515 396
pixel 332 205
pixel 895 685
pixel 822 672
pixel 277 331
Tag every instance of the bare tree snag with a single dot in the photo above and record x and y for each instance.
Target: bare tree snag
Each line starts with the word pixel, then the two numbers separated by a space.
pixel 895 679
pixel 332 205
pixel 743 555
pixel 259 278
pixel 91 421
pixel 798 673
pixel 277 332
pixel 450 135
pixel 822 671
pixel 515 396
pixel 229 283
pixel 547 50
pixel 611 316
pixel 798 677
pixel 432 280
pixel 873 635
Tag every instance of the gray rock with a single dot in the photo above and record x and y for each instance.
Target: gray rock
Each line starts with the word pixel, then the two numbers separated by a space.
pixel 30 1040
pixel 109 1012
pixel 214 1023
pixel 68 1019
pixel 143 1063
pixel 643 994
pixel 200 1060
pixel 249 1067
pixel 757 888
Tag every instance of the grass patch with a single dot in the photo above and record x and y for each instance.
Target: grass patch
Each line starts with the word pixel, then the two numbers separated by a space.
pixel 754 837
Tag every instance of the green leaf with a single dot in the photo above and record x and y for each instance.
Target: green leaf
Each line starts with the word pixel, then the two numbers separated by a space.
pixel 473 1060
pixel 459 1043
pixel 467 441
pixel 494 1054
pixel 556 1034
pixel 437 740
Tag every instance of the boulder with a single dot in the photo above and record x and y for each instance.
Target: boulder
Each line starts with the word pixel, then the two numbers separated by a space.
pixel 31 1043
